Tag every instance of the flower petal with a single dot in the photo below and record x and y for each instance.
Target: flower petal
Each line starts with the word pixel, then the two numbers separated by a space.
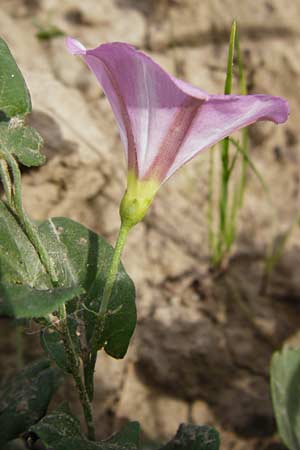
pixel 222 115
pixel 143 96
pixel 164 122
pixel 75 47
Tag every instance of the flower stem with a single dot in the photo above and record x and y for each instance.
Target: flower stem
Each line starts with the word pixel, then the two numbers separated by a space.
pixel 103 308
pixel 121 240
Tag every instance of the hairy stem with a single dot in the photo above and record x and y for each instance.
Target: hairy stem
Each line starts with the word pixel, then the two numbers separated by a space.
pixel 29 227
pixel 74 366
pixel 103 309
pixel 6 181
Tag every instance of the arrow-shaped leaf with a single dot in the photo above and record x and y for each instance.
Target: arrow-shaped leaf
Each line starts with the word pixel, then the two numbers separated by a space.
pixel 24 302
pixel 22 141
pixel 14 95
pixel 285 389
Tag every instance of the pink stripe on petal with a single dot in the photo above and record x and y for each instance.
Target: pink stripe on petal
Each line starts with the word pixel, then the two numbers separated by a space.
pixel 174 139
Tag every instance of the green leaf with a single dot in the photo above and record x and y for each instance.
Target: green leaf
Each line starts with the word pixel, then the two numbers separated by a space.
pixel 50 32
pixel 57 426
pixel 52 344
pixel 24 399
pixel 193 437
pixel 126 439
pixel 19 262
pixel 83 258
pixel 22 141
pixel 285 389
pixel 24 302
pixel 188 437
pixel 72 443
pixel 14 95
pixel 25 287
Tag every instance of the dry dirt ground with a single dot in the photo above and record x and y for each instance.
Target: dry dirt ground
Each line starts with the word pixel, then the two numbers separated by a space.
pixel 203 343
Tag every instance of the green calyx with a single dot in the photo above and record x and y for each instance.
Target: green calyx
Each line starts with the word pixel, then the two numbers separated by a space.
pixel 137 199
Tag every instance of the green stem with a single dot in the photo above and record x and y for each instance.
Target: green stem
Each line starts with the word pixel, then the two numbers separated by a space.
pixel 224 192
pixel 210 213
pixel 111 277
pixel 232 40
pixel 29 227
pixel 6 181
pixel 74 366
pixel 225 175
pixel 100 321
pixel 244 91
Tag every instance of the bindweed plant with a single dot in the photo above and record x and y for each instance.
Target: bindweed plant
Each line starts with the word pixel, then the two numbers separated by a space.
pixel 68 279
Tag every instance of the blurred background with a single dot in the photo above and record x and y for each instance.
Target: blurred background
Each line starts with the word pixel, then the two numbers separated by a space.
pixel 203 343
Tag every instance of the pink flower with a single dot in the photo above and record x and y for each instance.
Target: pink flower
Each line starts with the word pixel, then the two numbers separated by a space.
pixel 164 122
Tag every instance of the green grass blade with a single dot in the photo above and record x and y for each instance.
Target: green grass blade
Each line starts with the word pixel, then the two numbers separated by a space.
pixel 230 231
pixel 233 161
pixel 229 71
pixel 225 175
pixel 210 215
pixel 243 91
pixel 252 166
pixel 278 246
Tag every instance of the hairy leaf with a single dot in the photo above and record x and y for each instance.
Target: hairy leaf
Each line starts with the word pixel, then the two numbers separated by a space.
pixel 64 434
pixel 19 262
pixel 52 343
pixel 24 302
pixel 61 431
pixel 82 257
pixel 22 141
pixel 24 399
pixel 57 426
pixel 82 260
pixel 25 287
pixel 193 437
pixel 14 95
pixel 285 389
